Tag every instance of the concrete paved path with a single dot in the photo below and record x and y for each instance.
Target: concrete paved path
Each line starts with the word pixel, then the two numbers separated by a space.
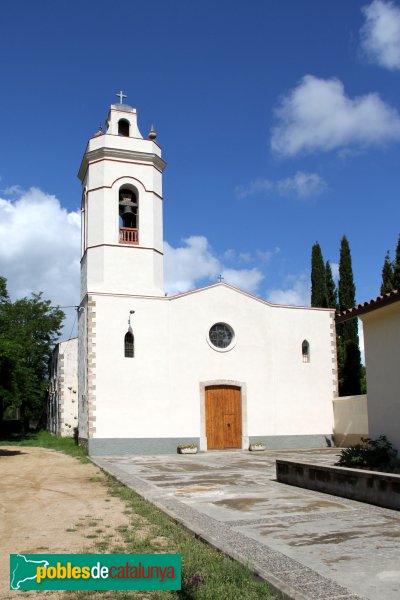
pixel 307 544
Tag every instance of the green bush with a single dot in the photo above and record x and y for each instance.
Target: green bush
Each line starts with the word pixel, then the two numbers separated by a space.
pixel 370 454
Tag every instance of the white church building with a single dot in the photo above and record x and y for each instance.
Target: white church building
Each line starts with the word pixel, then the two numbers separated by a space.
pixel 214 366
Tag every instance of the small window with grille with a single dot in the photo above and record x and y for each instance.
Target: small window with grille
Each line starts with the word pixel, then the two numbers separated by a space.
pixel 305 349
pixel 129 345
pixel 221 335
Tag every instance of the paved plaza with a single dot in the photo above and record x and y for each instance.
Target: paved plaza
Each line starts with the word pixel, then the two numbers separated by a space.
pixel 307 544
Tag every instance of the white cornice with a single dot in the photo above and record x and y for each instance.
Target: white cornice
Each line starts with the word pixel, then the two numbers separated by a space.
pixel 119 154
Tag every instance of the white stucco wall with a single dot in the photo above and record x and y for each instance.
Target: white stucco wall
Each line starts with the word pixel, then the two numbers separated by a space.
pixel 53 397
pixel 351 419
pixel 109 268
pixel 157 393
pixel 63 389
pixel 382 343
pixel 69 350
pixel 82 371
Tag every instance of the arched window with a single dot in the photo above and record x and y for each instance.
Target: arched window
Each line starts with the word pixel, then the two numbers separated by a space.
pixel 129 344
pixel 123 127
pixel 128 216
pixel 305 349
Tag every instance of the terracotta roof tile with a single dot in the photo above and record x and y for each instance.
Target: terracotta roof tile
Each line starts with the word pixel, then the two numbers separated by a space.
pixel 364 307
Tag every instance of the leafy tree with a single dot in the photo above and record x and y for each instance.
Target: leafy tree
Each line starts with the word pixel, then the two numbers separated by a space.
pixel 349 358
pixel 363 380
pixel 331 291
pixel 318 278
pixel 29 327
pixel 4 297
pixel 7 352
pixel 396 268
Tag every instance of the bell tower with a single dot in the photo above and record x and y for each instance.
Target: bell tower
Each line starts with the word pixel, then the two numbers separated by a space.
pixel 122 225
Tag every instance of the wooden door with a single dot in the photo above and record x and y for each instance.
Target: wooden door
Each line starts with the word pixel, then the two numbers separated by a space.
pixel 223 417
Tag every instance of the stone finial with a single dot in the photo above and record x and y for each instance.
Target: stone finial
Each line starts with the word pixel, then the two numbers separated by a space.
pixel 100 131
pixel 152 135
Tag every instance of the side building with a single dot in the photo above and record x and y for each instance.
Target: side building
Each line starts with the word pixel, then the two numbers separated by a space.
pixel 62 399
pixel 381 324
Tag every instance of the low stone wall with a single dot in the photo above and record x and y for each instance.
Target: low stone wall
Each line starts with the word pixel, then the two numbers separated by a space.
pixel 382 489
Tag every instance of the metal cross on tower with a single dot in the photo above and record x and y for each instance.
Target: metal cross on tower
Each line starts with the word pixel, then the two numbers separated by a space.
pixel 120 96
pixel 220 278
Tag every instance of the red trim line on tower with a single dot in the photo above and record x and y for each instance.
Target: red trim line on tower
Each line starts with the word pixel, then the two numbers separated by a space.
pixel 125 177
pixel 122 246
pixel 127 162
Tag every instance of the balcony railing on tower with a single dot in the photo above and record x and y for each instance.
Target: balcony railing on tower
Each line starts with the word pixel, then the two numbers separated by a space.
pixel 128 235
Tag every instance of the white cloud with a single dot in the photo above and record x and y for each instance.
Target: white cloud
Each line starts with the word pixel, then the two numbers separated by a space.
pixel 296 292
pixel 260 256
pixel 229 254
pixel 256 186
pixel 195 261
pixel 187 264
pixel 317 115
pixel 40 251
pixel 380 34
pixel 39 248
pixel 335 271
pixel 302 185
pixel 12 190
pixel 266 255
pixel 244 279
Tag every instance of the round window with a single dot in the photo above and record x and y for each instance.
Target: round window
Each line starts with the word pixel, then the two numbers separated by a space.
pixel 221 335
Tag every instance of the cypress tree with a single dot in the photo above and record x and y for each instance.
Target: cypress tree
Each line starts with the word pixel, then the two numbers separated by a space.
pixel 349 358
pixel 347 291
pixel 396 269
pixel 387 275
pixel 352 370
pixel 331 291
pixel 318 278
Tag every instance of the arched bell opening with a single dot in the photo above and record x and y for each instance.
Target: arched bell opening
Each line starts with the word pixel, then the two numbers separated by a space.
pixel 123 127
pixel 128 206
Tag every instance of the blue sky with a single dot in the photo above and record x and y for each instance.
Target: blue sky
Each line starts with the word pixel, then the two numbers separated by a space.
pixel 280 124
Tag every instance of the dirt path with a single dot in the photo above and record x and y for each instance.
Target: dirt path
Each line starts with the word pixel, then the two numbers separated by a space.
pixel 51 502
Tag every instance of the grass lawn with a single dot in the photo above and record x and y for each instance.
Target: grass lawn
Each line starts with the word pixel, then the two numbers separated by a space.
pixel 43 439
pixel 206 573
